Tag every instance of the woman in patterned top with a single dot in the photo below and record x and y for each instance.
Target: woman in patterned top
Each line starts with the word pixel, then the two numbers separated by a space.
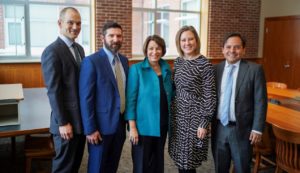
pixel 194 103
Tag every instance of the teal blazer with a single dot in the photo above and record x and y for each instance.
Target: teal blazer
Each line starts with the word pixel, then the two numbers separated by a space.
pixel 143 96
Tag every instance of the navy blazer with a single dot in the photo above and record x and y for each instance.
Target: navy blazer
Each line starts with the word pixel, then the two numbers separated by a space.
pixel 99 95
pixel 250 97
pixel 61 75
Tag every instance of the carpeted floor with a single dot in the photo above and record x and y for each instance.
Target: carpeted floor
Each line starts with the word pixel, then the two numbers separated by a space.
pixel 8 165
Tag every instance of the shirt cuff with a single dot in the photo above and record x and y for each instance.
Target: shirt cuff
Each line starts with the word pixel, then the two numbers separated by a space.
pixel 258 132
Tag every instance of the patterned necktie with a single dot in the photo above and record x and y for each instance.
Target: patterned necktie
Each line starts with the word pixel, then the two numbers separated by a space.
pixel 225 108
pixel 120 84
pixel 77 55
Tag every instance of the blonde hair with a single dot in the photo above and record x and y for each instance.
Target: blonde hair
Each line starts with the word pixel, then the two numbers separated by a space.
pixel 178 35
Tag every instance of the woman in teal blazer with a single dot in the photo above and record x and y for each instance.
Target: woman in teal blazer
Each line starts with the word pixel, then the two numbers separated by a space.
pixel 148 98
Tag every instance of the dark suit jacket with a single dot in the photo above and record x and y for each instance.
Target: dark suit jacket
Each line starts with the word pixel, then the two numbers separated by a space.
pixel 61 78
pixel 99 95
pixel 250 97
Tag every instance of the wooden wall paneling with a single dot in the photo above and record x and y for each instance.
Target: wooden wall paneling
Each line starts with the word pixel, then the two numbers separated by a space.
pixel 213 61
pixel 29 74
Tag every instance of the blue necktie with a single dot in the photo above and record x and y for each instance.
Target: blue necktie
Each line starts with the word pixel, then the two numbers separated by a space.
pixel 225 108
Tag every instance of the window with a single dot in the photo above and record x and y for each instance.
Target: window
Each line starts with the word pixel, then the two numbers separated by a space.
pixel 14 33
pixel 164 18
pixel 163 25
pixel 190 19
pixel 28 26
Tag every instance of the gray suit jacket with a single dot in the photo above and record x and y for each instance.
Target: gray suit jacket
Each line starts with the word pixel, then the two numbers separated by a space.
pixel 250 97
pixel 61 75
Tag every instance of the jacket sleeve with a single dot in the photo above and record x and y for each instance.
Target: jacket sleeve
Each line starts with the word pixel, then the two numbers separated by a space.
pixel 260 100
pixel 52 72
pixel 87 91
pixel 209 96
pixel 132 93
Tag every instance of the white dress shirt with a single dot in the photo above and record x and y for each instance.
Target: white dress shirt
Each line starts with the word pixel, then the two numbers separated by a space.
pixel 223 83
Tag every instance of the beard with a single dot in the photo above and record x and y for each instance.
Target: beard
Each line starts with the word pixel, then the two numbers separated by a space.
pixel 113 47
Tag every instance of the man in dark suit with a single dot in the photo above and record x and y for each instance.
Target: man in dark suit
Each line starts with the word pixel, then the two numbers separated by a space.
pixel 60 65
pixel 242 107
pixel 102 99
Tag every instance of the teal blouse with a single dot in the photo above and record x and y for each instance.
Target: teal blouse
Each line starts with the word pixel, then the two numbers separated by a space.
pixel 143 96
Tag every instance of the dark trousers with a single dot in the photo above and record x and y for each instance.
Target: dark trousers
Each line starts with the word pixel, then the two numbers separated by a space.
pixel 68 154
pixel 227 146
pixel 105 157
pixel 148 154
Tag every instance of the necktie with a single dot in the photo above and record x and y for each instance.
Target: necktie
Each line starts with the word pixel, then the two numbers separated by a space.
pixel 120 84
pixel 77 55
pixel 225 108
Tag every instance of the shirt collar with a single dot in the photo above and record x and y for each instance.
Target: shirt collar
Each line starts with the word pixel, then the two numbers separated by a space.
pixel 110 55
pixel 66 40
pixel 237 64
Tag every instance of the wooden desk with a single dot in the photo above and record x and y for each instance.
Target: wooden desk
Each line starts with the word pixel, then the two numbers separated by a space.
pixel 289 98
pixel 34 112
pixel 285 118
pixel 284 93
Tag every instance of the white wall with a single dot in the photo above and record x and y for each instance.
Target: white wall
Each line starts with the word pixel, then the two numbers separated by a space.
pixel 272 8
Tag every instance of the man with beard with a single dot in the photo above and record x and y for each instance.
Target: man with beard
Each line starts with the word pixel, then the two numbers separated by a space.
pixel 102 85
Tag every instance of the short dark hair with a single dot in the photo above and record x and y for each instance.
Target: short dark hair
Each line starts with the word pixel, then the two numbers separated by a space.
pixel 235 34
pixel 110 24
pixel 158 40
pixel 178 35
pixel 64 10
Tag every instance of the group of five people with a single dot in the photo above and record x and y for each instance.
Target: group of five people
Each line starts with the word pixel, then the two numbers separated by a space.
pixel 92 98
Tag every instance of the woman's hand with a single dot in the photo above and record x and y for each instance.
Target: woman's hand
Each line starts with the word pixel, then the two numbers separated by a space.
pixel 133 133
pixel 133 136
pixel 201 133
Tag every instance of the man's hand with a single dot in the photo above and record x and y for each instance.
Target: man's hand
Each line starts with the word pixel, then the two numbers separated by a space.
pixel 255 138
pixel 94 138
pixel 66 131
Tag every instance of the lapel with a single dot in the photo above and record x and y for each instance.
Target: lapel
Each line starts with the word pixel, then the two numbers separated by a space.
pixel 220 70
pixel 66 51
pixel 241 75
pixel 107 68
pixel 165 71
pixel 163 66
